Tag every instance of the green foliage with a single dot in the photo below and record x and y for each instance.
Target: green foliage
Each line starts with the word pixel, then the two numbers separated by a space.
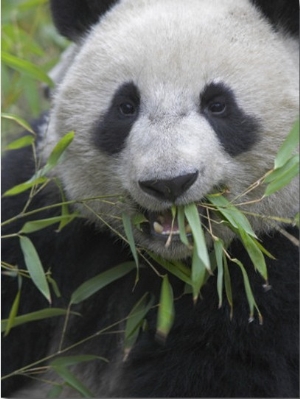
pixel 33 316
pixel 166 310
pixel 90 287
pixel 203 265
pixel 30 48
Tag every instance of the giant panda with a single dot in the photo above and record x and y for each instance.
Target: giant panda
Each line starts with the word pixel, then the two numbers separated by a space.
pixel 169 100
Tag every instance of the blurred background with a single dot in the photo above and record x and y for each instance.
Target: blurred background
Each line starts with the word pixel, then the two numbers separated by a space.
pixel 30 48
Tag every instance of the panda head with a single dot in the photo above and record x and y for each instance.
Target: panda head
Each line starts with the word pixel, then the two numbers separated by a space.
pixel 170 101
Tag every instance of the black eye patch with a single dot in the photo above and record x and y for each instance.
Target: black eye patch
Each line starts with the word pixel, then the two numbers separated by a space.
pixel 236 130
pixel 112 129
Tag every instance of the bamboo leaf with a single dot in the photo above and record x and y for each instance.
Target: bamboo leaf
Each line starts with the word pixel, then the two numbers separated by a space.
pixel 248 290
pixel 283 175
pixel 34 316
pixel 192 215
pixel 176 268
pixel 13 313
pixel 30 227
pixel 263 249
pixel 25 67
pixel 55 155
pixel 181 225
pixel 129 234
pixel 67 217
pixel 198 274
pixel 54 286
pixel 59 149
pixel 227 284
pixel 90 287
pixel 135 320
pixel 218 247
pixel 235 217
pixel 19 121
pixel 276 174
pixel 165 315
pixel 255 254
pixel 22 142
pixel 20 188
pixel 35 267
pixel 288 146
pixel 73 381
pixel 138 219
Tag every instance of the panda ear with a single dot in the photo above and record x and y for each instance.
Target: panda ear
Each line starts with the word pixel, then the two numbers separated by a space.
pixel 282 14
pixel 73 18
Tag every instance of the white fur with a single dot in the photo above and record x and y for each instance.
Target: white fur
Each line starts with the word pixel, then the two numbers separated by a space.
pixel 171 49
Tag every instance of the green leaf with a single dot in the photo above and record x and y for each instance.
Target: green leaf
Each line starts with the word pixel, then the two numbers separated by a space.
pixel 54 286
pixel 129 235
pixel 255 254
pixel 165 316
pixel 39 176
pixel 34 316
pixel 281 177
pixel 198 274
pixel 67 217
pixel 227 284
pixel 218 248
pixel 13 313
pixel 138 219
pixel 35 267
pixel 235 217
pixel 26 67
pixel 248 290
pixel 19 121
pixel 181 225
pixel 20 188
pixel 288 146
pixel 192 215
pixel 178 269
pixel 135 320
pixel 59 149
pixel 276 174
pixel 90 287
pixel 30 227
pixel 55 155
pixel 22 142
pixel 73 381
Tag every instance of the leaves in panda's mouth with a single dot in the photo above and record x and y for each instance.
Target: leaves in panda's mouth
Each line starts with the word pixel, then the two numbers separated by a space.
pixel 161 224
pixel 184 224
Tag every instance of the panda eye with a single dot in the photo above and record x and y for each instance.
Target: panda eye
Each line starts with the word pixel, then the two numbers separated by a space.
pixel 217 108
pixel 127 109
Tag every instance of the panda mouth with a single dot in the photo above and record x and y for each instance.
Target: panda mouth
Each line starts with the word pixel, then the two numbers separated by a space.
pixel 163 224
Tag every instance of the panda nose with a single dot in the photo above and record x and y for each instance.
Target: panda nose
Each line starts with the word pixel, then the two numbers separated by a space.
pixel 169 189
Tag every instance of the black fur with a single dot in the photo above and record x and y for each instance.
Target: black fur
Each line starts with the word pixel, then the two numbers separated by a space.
pixel 73 18
pixel 111 131
pixel 236 130
pixel 282 14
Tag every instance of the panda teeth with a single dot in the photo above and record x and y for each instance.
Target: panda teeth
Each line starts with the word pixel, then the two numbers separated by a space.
pixel 158 228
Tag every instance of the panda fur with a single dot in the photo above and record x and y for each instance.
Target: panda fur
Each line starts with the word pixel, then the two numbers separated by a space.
pixel 172 63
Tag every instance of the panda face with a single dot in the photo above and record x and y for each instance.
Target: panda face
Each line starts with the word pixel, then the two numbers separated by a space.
pixel 170 103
